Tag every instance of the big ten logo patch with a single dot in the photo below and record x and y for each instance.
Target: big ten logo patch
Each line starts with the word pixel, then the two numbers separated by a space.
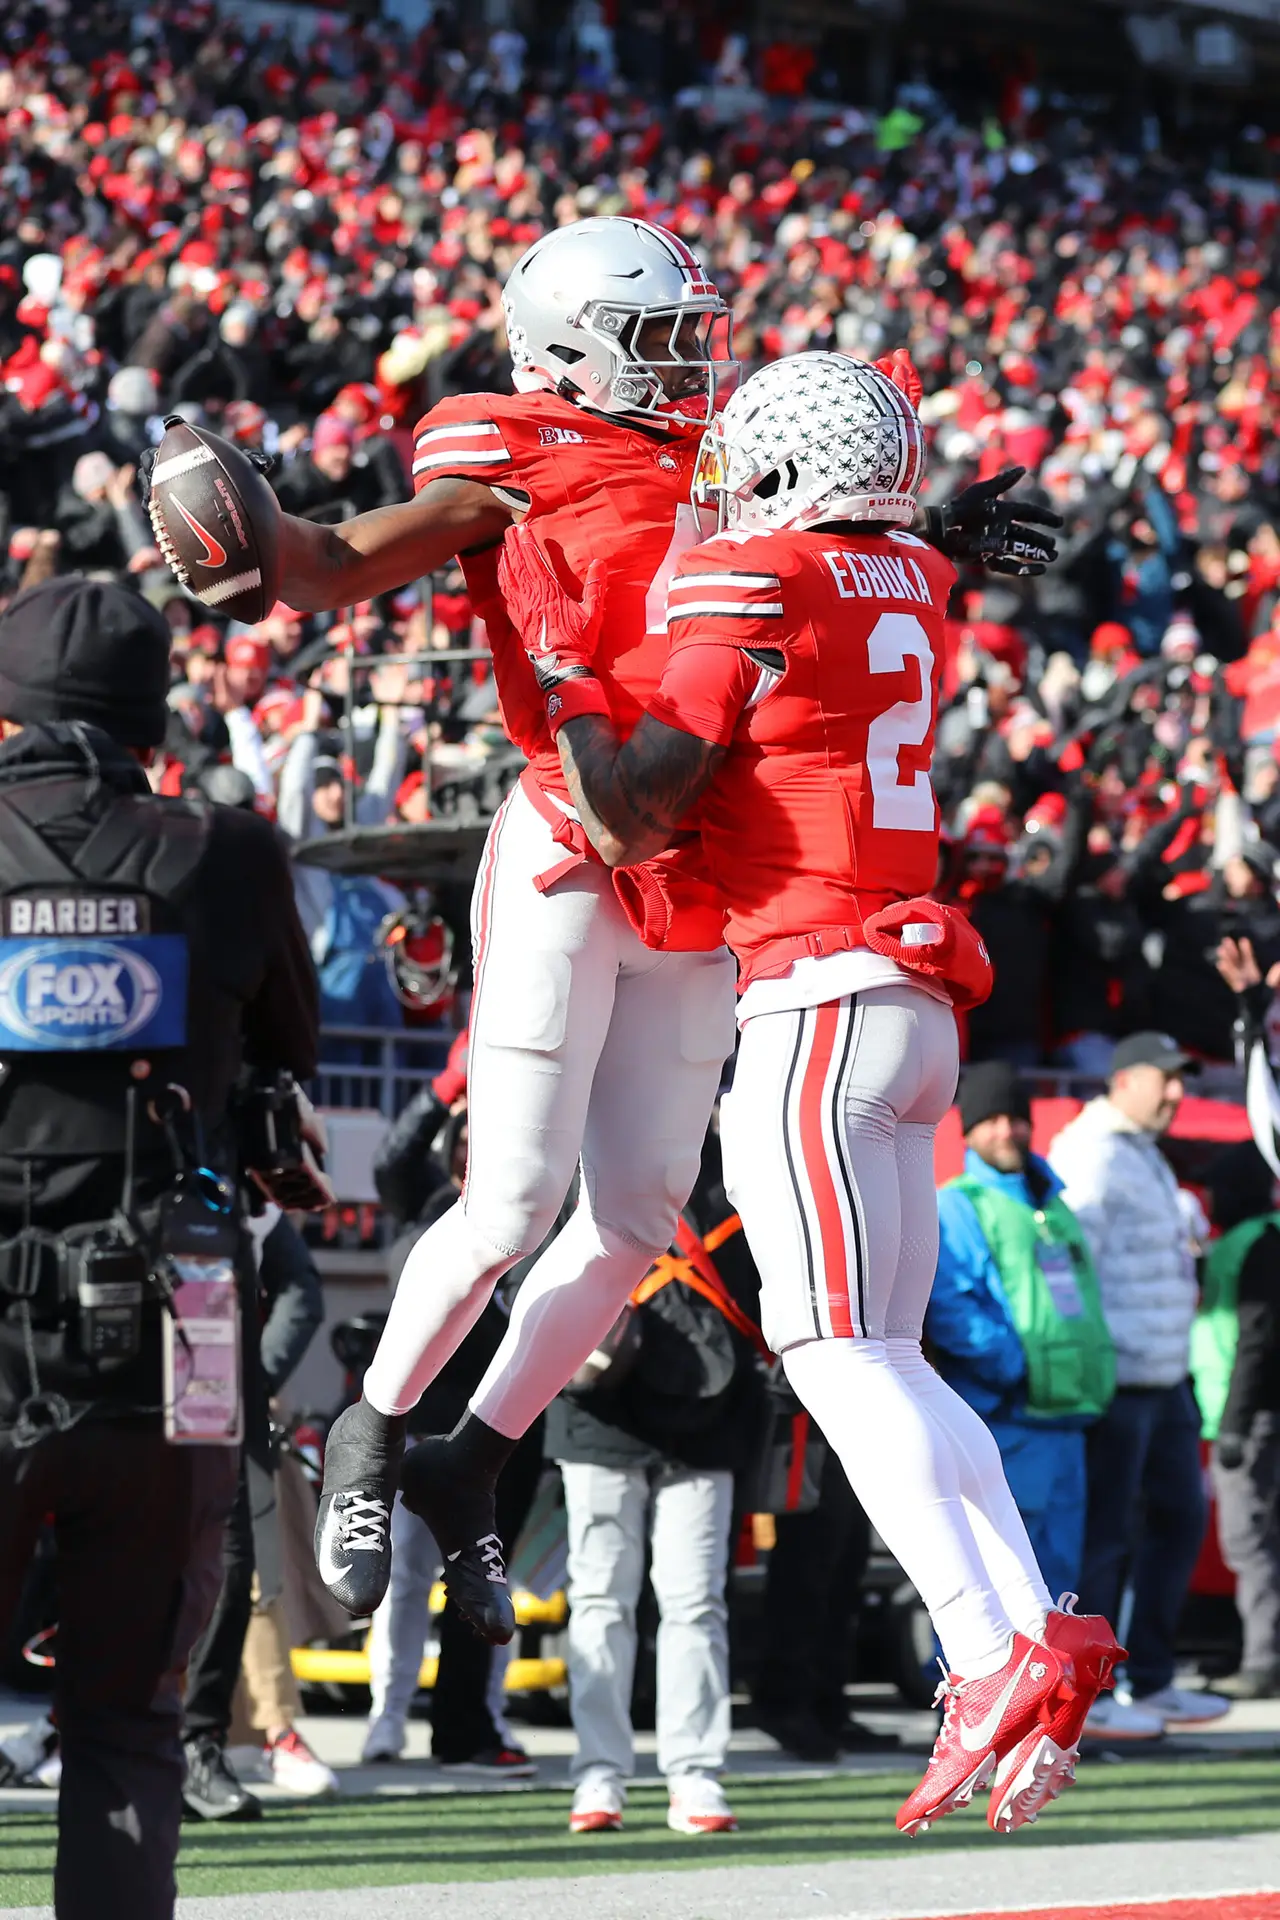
pixel 561 437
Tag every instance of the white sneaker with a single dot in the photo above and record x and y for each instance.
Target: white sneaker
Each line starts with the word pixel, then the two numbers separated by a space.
pixel 597 1804
pixel 1181 1707
pixel 384 1741
pixel 1113 1718
pixel 698 1805
pixel 24 1750
pixel 293 1766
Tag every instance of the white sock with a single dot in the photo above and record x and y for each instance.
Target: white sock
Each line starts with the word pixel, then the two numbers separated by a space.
pixel 563 1310
pixel 444 1288
pixel 906 1475
pixel 998 1527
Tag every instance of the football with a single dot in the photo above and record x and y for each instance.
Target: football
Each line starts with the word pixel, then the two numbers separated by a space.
pixel 216 521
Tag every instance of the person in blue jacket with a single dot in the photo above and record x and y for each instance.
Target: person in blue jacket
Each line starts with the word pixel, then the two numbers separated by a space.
pixel 1015 1322
pixel 1141 557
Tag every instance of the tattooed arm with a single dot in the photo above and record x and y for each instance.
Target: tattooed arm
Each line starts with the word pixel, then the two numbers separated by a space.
pixel 631 798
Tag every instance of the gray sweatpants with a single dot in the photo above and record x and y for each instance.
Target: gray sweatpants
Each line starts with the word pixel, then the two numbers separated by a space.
pixel 612 1512
pixel 1249 1529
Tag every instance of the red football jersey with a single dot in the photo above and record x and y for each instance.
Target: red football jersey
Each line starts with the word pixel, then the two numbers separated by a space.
pixel 595 489
pixel 815 659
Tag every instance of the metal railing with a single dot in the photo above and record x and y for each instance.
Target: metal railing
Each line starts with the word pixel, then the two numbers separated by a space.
pixel 378 1067
pixel 382 1068
pixel 1216 1080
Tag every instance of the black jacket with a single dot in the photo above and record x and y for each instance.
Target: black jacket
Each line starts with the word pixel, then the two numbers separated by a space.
pixel 1188 997
pixel 251 1000
pixel 292 1299
pixel 311 495
pixel 1098 974
pixel 415 1188
pixel 1255 1377
pixel 1014 921
pixel 646 1419
pixel 407 1174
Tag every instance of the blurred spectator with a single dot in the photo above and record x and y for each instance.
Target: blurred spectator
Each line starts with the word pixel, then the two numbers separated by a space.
pixel 101 519
pixel 419 1170
pixel 1235 1360
pixel 648 1438
pixel 1012 910
pixel 1016 1320
pixel 815 1571
pixel 290 1289
pixel 306 246
pixel 342 913
pixel 1146 1506
pixel 330 482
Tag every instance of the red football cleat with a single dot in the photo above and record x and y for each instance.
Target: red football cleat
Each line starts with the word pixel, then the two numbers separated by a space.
pixel 1043 1764
pixel 983 1720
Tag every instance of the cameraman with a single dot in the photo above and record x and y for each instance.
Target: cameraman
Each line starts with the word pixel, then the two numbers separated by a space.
pixel 149 949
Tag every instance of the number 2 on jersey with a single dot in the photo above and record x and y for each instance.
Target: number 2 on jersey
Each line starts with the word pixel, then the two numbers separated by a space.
pixel 905 806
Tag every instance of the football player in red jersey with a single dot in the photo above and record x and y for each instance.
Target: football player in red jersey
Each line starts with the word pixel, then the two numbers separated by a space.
pixel 796 711
pixel 592 1006
pixel 576 1024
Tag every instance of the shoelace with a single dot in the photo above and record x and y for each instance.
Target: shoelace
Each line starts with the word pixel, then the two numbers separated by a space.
pixel 362 1523
pixel 948 1691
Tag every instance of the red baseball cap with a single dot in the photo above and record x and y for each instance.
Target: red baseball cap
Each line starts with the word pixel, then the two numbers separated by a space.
pixel 331 431
pixel 247 650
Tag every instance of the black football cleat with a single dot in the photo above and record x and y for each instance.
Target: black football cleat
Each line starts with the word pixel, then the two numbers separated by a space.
pixel 211 1790
pixel 459 1511
pixel 362 1459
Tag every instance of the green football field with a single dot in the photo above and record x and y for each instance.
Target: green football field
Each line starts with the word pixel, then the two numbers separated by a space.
pixel 394 1841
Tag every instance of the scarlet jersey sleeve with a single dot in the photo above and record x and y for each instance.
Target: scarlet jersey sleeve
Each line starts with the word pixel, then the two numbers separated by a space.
pixel 463 438
pixel 704 690
pixel 724 610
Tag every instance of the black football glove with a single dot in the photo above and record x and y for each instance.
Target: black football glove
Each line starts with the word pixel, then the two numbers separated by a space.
pixel 266 463
pixel 142 473
pixel 1005 536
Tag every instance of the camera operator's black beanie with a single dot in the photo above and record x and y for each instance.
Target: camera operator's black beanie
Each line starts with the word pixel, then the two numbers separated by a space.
pixel 76 649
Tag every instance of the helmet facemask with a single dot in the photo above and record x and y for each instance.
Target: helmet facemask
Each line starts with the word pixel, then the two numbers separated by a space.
pixel 673 363
pixel 617 315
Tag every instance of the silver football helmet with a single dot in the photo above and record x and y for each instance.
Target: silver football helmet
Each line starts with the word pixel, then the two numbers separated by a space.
pixel 619 315
pixel 816 437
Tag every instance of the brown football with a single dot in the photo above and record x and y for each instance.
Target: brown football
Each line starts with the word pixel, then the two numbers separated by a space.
pixel 216 521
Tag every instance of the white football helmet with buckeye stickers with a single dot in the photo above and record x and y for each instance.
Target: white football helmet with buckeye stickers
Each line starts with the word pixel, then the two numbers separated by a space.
pixel 619 316
pixel 816 437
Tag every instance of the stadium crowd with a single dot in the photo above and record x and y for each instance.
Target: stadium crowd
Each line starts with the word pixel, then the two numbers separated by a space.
pixel 307 250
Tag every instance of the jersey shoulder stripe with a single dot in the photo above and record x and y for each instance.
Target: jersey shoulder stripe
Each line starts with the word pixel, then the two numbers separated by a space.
pixel 724 593
pixel 470 444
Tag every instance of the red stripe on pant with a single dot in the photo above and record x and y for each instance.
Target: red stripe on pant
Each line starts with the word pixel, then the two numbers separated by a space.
pixel 835 1258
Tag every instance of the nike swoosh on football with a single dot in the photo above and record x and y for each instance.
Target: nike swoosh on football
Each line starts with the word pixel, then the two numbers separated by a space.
pixel 214 555
pixel 972 1738
pixel 330 1571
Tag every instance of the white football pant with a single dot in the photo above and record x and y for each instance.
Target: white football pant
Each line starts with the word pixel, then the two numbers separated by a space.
pixel 828 1151
pixel 586 1045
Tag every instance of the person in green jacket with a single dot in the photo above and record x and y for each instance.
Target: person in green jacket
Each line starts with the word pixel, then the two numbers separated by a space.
pixel 1015 1325
pixel 1235 1364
